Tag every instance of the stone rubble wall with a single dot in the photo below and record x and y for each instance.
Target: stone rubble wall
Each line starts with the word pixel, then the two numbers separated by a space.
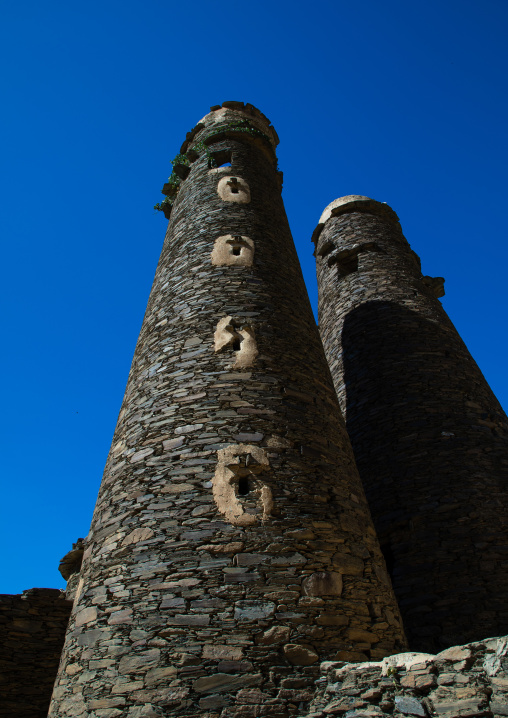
pixel 461 682
pixel 32 630
pixel 429 436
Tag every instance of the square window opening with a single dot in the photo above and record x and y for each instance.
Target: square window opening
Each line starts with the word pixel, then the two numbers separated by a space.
pixel 348 266
pixel 222 158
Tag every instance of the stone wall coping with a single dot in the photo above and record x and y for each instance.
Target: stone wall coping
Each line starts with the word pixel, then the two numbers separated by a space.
pixel 465 680
pixel 398 660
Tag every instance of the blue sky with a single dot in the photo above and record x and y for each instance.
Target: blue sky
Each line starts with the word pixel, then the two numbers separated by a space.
pixel 404 102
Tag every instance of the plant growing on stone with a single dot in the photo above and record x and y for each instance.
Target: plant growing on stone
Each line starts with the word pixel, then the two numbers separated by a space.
pixel 393 673
pixel 172 186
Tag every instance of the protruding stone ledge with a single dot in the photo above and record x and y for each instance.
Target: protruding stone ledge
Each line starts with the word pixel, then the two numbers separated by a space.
pixel 353 203
pixel 435 285
pixel 233 251
pixel 71 562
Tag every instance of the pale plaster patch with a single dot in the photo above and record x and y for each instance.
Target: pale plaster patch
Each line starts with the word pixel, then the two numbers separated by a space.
pixel 233 251
pixel 242 461
pixel 233 189
pixel 224 333
pixel 248 349
pixel 227 334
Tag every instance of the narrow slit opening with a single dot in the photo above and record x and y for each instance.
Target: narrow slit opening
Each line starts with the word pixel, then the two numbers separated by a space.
pixel 243 486
pixel 237 344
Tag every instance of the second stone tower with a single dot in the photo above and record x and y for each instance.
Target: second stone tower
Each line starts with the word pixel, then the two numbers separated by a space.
pixel 429 436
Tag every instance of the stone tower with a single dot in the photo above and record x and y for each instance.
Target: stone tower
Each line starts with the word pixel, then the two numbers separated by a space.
pixel 430 438
pixel 231 546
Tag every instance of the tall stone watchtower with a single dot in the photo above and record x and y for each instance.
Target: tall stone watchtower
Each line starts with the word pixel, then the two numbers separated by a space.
pixel 430 438
pixel 231 547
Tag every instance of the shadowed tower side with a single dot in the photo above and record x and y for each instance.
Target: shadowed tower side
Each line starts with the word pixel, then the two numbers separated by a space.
pixel 430 438
pixel 231 547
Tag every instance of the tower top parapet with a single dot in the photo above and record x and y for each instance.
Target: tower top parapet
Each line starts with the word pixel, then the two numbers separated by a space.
pixel 351 203
pixel 229 117
pixel 230 111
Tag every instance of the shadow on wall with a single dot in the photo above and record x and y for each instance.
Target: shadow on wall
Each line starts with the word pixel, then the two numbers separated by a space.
pixel 429 441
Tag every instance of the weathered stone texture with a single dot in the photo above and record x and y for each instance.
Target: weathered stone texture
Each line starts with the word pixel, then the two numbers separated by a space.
pixel 461 682
pixel 182 608
pixel 32 630
pixel 430 438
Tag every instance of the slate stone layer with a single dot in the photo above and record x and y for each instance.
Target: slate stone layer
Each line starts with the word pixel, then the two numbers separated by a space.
pixel 180 610
pixel 429 436
pixel 32 630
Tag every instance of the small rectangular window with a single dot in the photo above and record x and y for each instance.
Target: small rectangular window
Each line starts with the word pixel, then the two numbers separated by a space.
pixel 348 266
pixel 221 158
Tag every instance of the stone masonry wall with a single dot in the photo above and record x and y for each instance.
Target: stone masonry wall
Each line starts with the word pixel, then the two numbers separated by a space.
pixel 32 630
pixel 460 682
pixel 231 547
pixel 430 438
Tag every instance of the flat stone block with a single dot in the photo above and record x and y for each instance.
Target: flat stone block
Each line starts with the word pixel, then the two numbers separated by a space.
pixel 225 682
